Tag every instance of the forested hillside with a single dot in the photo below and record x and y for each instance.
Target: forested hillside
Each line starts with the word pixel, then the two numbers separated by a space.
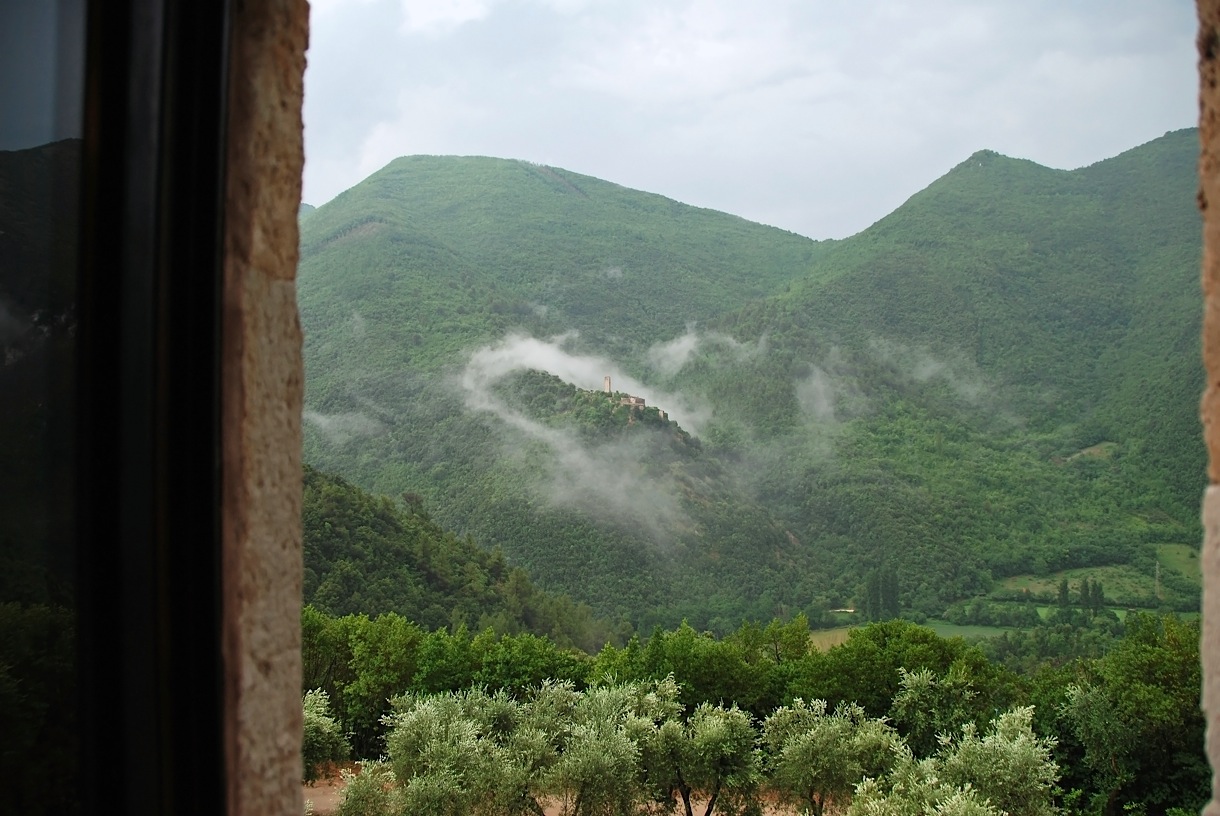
pixel 433 255
pixel 992 388
pixel 370 555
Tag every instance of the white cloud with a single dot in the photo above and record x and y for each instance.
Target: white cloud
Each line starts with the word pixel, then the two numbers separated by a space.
pixel 816 395
pixel 609 481
pixel 339 429
pixel 428 119
pixel 669 357
pixel 437 17
pixel 518 352
pixel 682 53
pixel 817 117
pixel 321 12
pixel 921 365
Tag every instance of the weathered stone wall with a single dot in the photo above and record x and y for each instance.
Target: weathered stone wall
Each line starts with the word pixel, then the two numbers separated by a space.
pixel 1209 193
pixel 261 392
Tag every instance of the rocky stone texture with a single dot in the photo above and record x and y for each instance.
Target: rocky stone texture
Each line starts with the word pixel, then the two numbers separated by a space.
pixel 262 390
pixel 1209 205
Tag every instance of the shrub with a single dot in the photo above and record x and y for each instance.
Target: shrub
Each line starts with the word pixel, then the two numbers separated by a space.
pixel 323 741
pixel 369 793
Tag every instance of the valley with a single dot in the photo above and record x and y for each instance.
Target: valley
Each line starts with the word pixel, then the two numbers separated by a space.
pixel 993 386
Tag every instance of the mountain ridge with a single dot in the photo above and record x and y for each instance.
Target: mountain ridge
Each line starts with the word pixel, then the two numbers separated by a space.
pixel 994 324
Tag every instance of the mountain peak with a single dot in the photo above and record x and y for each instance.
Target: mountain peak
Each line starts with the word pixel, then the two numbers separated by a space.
pixel 993 160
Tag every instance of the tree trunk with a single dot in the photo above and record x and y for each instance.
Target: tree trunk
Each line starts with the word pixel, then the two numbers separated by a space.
pixel 816 803
pixel 684 790
pixel 711 803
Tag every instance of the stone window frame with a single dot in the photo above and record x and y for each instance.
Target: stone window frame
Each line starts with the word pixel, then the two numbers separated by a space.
pixel 189 408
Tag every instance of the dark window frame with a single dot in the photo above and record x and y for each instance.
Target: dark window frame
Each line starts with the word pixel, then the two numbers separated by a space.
pixel 149 601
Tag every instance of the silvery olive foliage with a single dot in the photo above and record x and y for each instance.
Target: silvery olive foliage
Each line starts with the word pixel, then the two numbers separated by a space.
pixel 817 757
pixel 927 706
pixel 371 792
pixel 1008 770
pixel 629 749
pixel 323 740
pixel 713 753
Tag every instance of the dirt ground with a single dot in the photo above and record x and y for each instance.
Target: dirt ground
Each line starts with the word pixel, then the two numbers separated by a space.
pixel 326 794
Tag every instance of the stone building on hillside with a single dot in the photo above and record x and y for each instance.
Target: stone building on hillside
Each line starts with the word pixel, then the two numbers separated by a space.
pixel 631 401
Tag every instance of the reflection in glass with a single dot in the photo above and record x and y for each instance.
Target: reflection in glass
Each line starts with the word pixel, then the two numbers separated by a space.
pixel 41 56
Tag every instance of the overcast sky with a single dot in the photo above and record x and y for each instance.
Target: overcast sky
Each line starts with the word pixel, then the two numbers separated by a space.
pixel 818 116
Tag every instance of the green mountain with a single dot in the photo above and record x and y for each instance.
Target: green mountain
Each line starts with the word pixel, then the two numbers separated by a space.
pixel 432 255
pixel 997 380
pixel 1014 356
pixel 1073 291
pixel 368 555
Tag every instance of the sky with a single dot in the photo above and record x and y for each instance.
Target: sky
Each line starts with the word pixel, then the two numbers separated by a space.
pixel 42 47
pixel 816 116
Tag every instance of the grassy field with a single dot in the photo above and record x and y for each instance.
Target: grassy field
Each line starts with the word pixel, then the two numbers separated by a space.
pixel 950 630
pixel 1182 558
pixel 825 638
pixel 1120 582
pixel 1124 585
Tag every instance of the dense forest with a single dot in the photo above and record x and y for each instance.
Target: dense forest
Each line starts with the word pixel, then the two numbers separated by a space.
pixel 1100 710
pixel 369 555
pixel 758 715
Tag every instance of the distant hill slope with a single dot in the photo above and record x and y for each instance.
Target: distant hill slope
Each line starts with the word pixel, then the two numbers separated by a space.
pixel 999 378
pixel 366 554
pixel 432 254
pixel 1062 298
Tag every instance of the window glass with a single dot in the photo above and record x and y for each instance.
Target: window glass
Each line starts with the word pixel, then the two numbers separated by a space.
pixel 41 59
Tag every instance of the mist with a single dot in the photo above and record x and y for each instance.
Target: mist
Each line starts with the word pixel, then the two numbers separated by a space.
pixel 816 395
pixel 611 481
pixel 670 357
pixel 341 428
pixel 520 352
pixel 961 375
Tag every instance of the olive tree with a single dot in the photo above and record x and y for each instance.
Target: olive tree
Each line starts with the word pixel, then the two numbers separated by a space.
pixel 322 739
pixel 927 706
pixel 913 787
pixel 1009 765
pixel 817 757
pixel 714 753
pixel 598 770
pixel 1008 770
pixel 445 761
pixel 372 792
